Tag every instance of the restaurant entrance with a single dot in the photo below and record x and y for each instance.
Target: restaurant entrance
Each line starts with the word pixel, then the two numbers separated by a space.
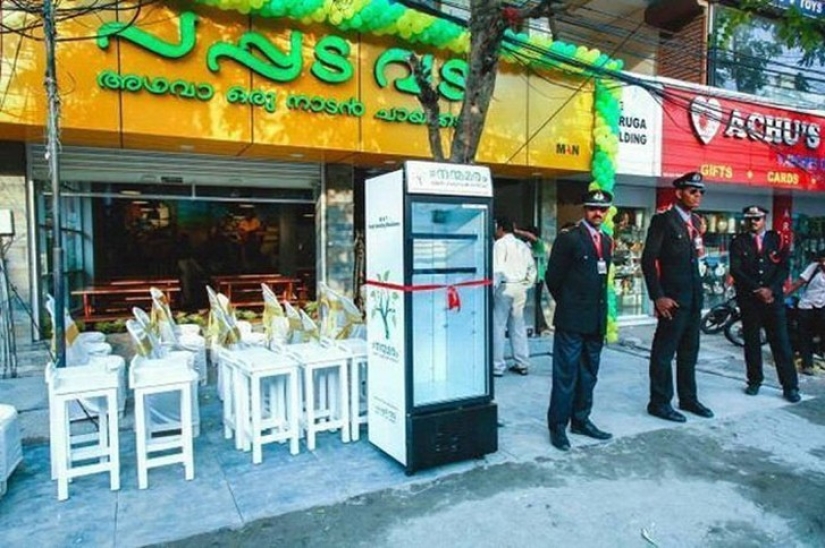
pixel 228 219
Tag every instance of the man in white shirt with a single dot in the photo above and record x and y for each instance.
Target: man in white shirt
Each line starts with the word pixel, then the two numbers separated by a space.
pixel 811 308
pixel 514 272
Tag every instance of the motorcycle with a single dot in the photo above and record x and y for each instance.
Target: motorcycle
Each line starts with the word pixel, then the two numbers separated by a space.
pixel 726 317
pixel 717 318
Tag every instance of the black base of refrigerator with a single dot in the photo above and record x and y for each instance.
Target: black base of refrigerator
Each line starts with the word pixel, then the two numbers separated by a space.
pixel 451 436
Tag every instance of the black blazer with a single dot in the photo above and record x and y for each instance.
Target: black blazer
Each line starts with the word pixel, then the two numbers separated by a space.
pixel 670 261
pixel 573 279
pixel 752 270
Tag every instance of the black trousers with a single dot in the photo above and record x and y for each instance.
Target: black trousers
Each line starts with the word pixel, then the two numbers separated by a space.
pixel 575 371
pixel 678 336
pixel 757 315
pixel 811 324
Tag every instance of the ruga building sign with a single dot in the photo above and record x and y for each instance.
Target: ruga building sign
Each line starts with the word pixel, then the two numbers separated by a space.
pixel 744 143
pixel 640 133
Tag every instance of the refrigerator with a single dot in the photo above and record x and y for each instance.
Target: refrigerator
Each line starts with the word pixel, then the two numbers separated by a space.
pixel 429 313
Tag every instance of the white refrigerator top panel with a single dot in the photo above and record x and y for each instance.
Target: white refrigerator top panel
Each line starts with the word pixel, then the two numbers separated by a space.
pixel 448 179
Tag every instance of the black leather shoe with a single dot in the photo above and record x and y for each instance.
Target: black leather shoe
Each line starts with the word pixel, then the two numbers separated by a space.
pixel 667 413
pixel 792 395
pixel 558 439
pixel 590 430
pixel 696 408
pixel 752 389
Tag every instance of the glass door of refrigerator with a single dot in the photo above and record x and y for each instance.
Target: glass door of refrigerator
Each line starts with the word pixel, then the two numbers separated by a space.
pixel 450 246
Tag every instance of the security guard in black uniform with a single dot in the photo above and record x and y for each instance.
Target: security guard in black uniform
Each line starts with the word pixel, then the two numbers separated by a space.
pixel 577 278
pixel 670 263
pixel 759 264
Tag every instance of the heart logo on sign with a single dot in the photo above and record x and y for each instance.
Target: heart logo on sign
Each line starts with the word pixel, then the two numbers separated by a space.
pixel 706 117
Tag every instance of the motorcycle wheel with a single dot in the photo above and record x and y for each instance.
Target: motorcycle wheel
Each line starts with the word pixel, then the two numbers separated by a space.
pixel 733 333
pixel 715 320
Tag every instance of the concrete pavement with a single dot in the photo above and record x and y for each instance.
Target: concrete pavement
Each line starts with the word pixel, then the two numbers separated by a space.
pixel 702 483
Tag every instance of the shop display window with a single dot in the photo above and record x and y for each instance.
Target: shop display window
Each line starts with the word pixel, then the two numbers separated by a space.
pixel 629 231
pixel 719 229
pixel 809 236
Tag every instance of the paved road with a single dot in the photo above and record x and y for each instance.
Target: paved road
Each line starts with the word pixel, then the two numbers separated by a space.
pixel 753 477
pixel 754 480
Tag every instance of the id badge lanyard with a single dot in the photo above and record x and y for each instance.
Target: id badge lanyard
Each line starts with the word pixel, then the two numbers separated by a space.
pixel 601 265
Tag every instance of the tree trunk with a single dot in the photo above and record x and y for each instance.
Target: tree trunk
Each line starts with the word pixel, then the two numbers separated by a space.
pixel 486 34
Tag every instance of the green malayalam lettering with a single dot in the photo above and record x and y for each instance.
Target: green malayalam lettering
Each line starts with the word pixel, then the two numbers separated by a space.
pixel 279 68
pixel 332 63
pixel 398 56
pixel 318 104
pixel 453 79
pixel 382 114
pixel 128 31
pixel 158 85
pixel 258 98
pixel 415 117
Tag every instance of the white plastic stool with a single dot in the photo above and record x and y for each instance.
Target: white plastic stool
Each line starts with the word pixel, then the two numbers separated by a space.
pixel 11 450
pixel 326 391
pixel 358 369
pixel 161 376
pixel 68 451
pixel 266 399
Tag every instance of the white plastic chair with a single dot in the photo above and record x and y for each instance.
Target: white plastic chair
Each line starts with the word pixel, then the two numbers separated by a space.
pixel 71 453
pixel 98 353
pixel 179 337
pixel 173 378
pixel 163 408
pixel 266 400
pixel 342 325
pixel 90 343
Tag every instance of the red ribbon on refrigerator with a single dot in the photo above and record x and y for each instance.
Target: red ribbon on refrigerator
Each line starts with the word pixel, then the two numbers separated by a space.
pixel 453 299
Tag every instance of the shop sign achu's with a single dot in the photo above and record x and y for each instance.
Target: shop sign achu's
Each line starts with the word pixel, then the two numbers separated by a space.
pixel 332 65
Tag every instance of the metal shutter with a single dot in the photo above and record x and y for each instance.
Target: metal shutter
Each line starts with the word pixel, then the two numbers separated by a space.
pixel 137 166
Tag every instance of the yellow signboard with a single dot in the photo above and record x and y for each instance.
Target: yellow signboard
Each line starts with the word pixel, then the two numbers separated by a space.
pixel 212 81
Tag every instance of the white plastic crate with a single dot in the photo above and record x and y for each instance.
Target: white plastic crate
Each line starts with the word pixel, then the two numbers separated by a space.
pixel 11 450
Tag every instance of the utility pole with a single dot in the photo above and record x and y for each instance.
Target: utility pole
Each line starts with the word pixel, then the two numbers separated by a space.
pixel 52 136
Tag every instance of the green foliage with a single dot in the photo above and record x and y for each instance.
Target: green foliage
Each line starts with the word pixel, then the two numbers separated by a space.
pixel 115 326
pixel 248 315
pixel 196 318
pixel 793 28
pixel 312 310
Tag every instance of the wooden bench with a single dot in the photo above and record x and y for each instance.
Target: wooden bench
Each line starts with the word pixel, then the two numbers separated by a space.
pixel 244 290
pixel 115 300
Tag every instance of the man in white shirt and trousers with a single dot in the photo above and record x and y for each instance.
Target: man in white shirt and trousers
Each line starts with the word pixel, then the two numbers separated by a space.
pixel 514 272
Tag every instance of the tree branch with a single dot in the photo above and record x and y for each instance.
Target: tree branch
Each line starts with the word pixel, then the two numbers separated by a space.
pixel 428 97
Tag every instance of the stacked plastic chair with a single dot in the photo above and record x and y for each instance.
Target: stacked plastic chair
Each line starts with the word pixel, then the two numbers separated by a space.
pixel 179 337
pixel 164 408
pixel 324 367
pixel 261 398
pixel 89 348
pixel 342 325
pixel 163 435
pixel 75 454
